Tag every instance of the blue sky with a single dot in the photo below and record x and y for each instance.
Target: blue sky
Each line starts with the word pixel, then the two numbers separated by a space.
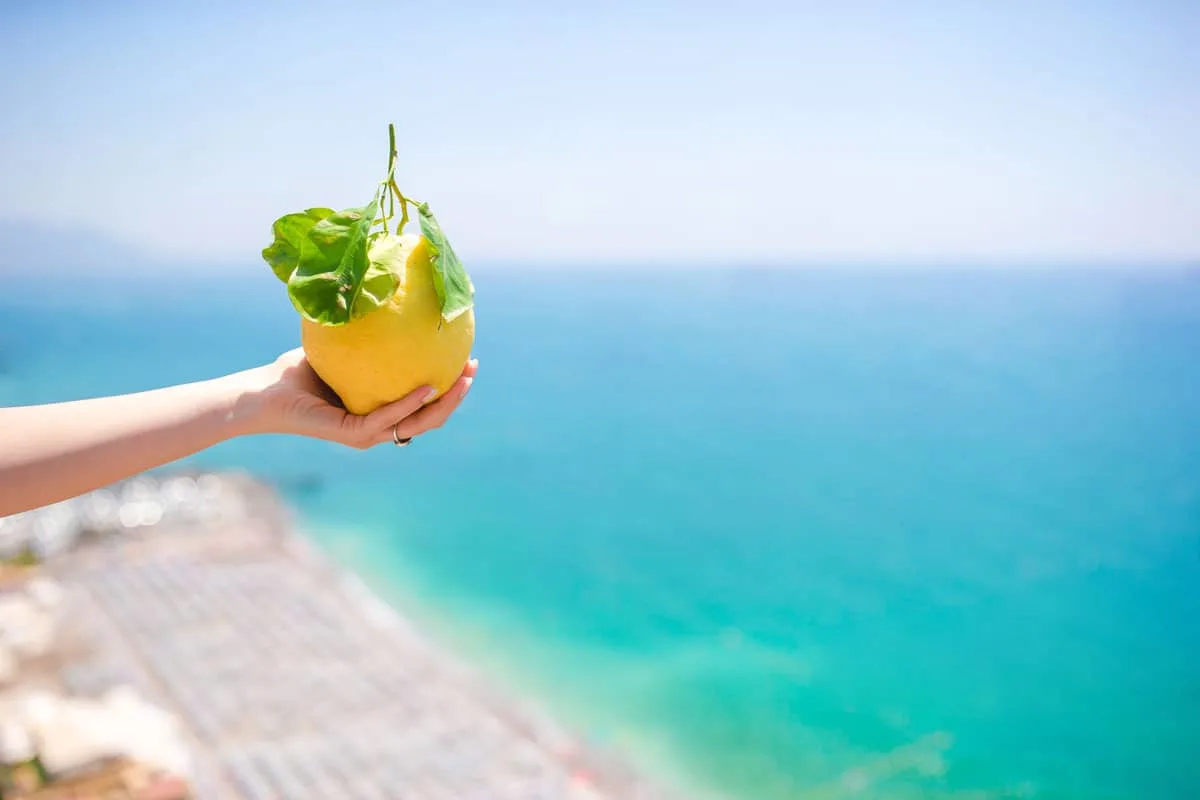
pixel 618 132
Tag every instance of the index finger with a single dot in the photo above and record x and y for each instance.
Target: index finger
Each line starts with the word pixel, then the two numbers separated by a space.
pixel 385 416
pixel 435 414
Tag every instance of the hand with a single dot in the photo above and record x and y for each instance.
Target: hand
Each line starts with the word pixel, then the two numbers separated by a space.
pixel 291 398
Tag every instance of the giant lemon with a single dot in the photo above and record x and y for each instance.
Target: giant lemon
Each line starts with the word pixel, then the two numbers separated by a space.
pixel 396 348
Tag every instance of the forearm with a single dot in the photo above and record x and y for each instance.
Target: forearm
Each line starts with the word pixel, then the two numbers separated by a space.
pixel 52 452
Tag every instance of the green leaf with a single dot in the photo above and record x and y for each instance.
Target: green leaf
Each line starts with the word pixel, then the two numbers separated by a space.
pixel 450 280
pixel 290 231
pixel 386 255
pixel 333 263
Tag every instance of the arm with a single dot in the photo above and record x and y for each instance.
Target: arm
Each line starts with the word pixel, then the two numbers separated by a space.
pixel 52 452
pixel 57 451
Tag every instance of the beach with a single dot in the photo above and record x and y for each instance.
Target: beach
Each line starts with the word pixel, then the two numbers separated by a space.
pixel 283 676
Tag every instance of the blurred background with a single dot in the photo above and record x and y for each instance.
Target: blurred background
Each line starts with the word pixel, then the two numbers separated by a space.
pixel 837 430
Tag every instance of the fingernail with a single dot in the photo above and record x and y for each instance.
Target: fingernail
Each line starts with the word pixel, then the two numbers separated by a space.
pixel 432 393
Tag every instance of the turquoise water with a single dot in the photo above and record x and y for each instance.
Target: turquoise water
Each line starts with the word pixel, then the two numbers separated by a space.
pixel 780 534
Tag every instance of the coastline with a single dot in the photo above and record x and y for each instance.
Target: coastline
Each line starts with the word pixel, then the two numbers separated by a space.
pixel 521 705
pixel 140 535
pixel 513 678
pixel 508 679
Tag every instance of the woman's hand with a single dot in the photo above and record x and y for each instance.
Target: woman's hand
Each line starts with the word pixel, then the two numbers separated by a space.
pixel 292 399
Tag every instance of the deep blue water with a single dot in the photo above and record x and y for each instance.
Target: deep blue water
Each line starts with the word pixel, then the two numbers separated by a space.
pixel 784 533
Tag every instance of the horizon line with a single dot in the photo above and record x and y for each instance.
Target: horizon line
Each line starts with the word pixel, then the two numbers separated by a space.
pixel 187 269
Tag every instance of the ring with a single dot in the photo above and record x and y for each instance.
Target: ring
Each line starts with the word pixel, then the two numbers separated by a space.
pixel 396 437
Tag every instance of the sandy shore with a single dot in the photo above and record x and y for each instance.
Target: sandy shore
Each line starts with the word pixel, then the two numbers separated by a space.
pixel 288 678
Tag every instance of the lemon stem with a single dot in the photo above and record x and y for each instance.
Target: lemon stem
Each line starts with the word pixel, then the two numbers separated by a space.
pixel 391 192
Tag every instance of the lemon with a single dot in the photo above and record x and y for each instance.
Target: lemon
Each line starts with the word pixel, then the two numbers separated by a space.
pixel 396 348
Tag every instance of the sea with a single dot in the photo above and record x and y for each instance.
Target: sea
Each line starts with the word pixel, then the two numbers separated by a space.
pixel 766 532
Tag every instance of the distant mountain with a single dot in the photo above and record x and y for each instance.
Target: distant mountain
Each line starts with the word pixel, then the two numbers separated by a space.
pixel 80 253
pixel 40 246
